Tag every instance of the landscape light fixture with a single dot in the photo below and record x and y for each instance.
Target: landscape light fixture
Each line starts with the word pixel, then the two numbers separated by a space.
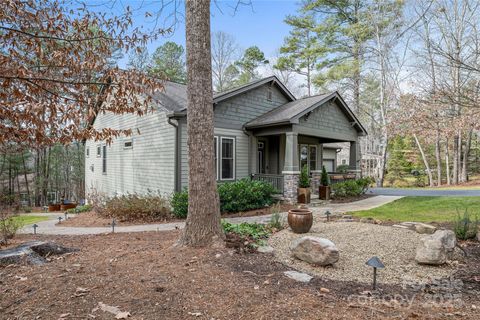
pixel 328 213
pixel 113 224
pixel 375 263
pixel 35 226
pixel 66 215
pixel 60 219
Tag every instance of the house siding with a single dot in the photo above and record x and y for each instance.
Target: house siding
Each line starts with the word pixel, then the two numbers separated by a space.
pixel 237 111
pixel 241 152
pixel 148 166
pixel 327 121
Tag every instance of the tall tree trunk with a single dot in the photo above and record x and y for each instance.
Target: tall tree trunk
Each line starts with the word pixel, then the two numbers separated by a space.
pixel 447 163
pixel 425 161
pixel 25 175
pixel 455 160
pixel 466 154
pixel 203 221
pixel 438 158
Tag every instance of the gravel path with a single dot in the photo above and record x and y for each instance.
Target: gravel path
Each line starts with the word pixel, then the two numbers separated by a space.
pixel 358 242
pixel 51 226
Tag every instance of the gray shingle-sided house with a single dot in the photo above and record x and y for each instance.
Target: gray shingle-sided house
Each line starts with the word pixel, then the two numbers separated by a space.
pixel 261 130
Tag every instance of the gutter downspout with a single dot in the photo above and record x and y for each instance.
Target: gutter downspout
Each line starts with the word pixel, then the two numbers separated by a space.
pixel 176 185
pixel 249 135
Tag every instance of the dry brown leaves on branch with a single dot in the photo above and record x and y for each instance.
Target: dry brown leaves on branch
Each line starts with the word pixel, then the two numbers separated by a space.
pixel 56 71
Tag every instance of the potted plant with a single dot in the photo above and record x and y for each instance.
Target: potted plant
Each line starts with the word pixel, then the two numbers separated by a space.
pixel 324 189
pixel 303 190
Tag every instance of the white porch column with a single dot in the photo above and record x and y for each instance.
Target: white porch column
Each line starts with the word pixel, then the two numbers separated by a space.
pixel 291 171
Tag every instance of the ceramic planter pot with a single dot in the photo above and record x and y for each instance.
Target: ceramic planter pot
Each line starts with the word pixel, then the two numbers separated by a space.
pixel 300 220
pixel 324 192
pixel 303 195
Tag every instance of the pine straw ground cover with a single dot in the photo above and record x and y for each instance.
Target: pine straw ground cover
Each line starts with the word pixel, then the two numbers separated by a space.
pixel 144 275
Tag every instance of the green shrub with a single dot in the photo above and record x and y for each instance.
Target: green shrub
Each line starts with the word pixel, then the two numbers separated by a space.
pixel 245 194
pixel 241 195
pixel 180 204
pixel 27 209
pixel 254 231
pixel 351 188
pixel 465 226
pixel 80 209
pixel 134 207
pixel 324 179
pixel 8 227
pixel 343 168
pixel 304 180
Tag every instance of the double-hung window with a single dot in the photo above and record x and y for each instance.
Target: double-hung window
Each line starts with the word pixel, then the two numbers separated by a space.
pixel 104 160
pixel 227 158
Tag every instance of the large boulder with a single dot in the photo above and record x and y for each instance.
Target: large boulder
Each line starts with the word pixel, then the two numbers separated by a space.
pixel 434 249
pixel 315 250
pixel 424 228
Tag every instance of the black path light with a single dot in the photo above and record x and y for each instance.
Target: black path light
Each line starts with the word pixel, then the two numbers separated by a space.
pixel 328 213
pixel 35 226
pixel 60 219
pixel 113 224
pixel 375 263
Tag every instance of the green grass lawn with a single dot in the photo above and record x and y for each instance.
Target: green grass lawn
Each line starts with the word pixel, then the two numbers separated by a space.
pixel 424 209
pixel 25 220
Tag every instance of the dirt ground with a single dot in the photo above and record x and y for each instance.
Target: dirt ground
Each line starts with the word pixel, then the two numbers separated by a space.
pixel 145 275
pixel 92 219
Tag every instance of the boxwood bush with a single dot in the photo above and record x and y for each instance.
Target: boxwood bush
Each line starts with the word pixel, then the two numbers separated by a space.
pixel 351 188
pixel 241 195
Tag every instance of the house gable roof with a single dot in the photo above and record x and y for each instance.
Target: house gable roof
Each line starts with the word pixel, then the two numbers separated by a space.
pixel 291 112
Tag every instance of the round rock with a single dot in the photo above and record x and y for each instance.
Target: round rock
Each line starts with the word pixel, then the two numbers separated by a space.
pixel 315 250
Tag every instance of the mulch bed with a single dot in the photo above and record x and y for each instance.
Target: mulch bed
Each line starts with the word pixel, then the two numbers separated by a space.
pixel 92 219
pixel 146 275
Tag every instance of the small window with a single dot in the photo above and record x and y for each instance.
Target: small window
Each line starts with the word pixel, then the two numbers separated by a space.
pixel 227 159
pixel 128 144
pixel 344 161
pixel 87 152
pixel 269 94
pixel 104 160
pixel 99 151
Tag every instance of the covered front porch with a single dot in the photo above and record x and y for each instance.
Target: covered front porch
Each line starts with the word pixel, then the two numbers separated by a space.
pixel 288 138
pixel 279 158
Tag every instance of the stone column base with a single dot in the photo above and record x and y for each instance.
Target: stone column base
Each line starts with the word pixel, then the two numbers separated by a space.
pixel 315 180
pixel 290 186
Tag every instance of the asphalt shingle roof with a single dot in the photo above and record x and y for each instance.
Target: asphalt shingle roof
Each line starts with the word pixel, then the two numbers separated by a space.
pixel 287 111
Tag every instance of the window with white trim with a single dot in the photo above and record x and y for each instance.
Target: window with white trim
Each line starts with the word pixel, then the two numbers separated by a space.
pixel 227 160
pixel 99 151
pixel 215 145
pixel 104 160
pixel 128 144
pixel 87 152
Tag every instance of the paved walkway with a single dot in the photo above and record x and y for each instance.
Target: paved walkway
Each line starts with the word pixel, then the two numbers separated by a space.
pixel 49 227
pixel 425 192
